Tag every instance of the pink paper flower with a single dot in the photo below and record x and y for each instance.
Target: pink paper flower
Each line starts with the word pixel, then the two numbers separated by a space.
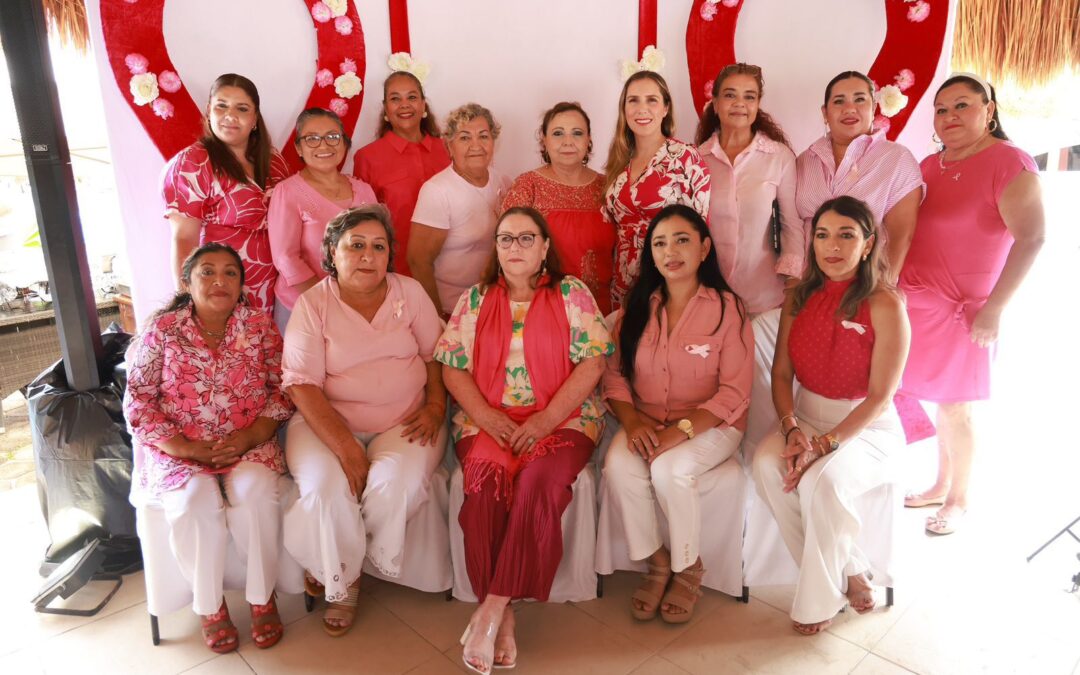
pixel 339 107
pixel 162 108
pixel 324 78
pixel 136 63
pixel 131 2
pixel 320 12
pixel 169 81
pixel 881 123
pixel 343 25
pixel 348 66
pixel 708 88
pixel 905 79
pixel 708 11
pixel 919 11
pixel 730 3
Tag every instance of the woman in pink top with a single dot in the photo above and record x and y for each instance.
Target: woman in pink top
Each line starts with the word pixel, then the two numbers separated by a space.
pixel 646 170
pixel 301 205
pixel 845 336
pixel 679 383
pixel 753 184
pixel 409 150
pixel 979 232
pixel 370 428
pixel 853 159
pixel 215 189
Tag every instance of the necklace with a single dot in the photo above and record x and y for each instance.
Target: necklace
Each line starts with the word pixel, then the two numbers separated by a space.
pixel 216 334
pixel 977 147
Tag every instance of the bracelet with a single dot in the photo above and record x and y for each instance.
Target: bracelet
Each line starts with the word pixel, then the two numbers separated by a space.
pixel 788 432
pixel 792 416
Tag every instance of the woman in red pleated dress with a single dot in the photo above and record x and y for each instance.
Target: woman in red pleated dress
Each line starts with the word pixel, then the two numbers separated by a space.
pixel 569 195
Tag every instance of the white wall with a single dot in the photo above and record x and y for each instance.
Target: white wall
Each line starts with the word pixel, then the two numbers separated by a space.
pixel 517 58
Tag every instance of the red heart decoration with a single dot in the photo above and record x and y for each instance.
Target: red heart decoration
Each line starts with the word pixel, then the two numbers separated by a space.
pixel 915 33
pixel 134 42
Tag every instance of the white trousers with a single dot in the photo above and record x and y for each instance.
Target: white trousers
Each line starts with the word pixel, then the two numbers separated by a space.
pixel 328 531
pixel 670 482
pixel 762 419
pixel 818 520
pixel 201 520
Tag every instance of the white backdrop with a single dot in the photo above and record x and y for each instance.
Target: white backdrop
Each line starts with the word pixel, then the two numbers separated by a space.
pixel 517 58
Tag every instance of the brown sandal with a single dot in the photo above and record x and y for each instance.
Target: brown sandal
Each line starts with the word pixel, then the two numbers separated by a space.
pixel 312 586
pixel 649 594
pixel 217 629
pixel 342 611
pixel 683 593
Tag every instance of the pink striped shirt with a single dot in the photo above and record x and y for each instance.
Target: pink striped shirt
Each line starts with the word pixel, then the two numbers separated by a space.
pixel 875 170
pixel 740 219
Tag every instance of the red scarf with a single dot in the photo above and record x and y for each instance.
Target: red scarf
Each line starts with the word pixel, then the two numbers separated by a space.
pixel 547 360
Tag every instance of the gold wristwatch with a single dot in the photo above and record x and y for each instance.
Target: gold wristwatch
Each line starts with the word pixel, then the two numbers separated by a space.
pixel 834 444
pixel 686 426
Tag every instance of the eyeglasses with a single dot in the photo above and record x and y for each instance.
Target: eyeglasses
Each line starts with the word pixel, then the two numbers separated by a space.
pixel 313 140
pixel 525 239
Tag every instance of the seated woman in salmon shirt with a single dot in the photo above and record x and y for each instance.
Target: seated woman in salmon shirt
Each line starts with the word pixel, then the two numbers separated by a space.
pixel 679 383
pixel 370 424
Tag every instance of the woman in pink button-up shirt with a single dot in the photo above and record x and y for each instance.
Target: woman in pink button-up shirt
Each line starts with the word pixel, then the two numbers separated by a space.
pixel 679 382
pixel 753 184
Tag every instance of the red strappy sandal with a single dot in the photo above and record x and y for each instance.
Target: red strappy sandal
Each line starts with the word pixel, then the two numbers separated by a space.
pixel 266 627
pixel 218 629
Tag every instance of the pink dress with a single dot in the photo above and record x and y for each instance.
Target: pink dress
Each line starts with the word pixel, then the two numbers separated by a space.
pixel 582 239
pixel 675 175
pixel 231 213
pixel 297 222
pixel 178 385
pixel 955 259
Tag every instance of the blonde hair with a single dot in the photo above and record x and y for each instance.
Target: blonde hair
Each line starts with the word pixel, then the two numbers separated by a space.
pixel 462 115
pixel 622 145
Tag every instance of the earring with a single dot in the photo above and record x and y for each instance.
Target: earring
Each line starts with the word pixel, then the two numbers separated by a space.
pixel 993 126
pixel 865 256
pixel 386 118
pixel 934 138
pixel 424 115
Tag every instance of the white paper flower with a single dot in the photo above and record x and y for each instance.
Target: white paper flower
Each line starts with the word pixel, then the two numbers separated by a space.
pixel 421 70
pixel 143 88
pixel 652 59
pixel 628 68
pixel 348 85
pixel 337 7
pixel 399 61
pixel 891 100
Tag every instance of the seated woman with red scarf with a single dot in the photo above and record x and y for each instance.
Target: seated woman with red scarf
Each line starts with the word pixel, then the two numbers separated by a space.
pixel 528 417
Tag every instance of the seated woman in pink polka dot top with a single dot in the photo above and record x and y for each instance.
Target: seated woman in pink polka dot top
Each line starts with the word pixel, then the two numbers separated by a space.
pixel 844 334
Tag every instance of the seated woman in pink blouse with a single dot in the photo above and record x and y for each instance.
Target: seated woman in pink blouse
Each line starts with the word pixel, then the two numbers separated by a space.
pixel 302 204
pixel 370 427
pixel 204 403
pixel 215 189
pixel 679 383
pixel 845 336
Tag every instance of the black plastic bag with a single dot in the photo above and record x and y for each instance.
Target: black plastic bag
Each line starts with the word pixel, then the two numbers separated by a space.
pixel 83 460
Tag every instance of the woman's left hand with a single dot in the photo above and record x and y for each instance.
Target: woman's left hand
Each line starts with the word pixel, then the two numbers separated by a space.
pixel 532 430
pixel 802 462
pixel 984 328
pixel 230 449
pixel 669 437
pixel 424 424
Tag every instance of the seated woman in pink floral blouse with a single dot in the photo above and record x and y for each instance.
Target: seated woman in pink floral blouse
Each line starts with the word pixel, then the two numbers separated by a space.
pixel 204 402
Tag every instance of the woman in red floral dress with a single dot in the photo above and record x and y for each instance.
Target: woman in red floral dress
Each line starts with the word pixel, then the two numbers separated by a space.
pixel 216 188
pixel 647 170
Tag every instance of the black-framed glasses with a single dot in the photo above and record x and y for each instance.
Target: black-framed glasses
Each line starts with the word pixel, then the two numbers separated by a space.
pixel 313 140
pixel 525 239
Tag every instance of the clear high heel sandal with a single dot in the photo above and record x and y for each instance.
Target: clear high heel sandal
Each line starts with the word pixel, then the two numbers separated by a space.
pixel 485 656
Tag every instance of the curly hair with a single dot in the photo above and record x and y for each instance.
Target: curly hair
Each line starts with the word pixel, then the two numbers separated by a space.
pixel 462 115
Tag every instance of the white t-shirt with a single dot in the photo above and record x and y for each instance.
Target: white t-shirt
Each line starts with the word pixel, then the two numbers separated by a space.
pixel 449 202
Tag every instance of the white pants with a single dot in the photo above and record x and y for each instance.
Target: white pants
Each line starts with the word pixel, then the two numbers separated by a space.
pixel 328 531
pixel 201 522
pixel 762 419
pixel 817 520
pixel 670 482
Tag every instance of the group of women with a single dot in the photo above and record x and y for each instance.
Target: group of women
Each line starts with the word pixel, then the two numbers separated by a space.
pixel 430 273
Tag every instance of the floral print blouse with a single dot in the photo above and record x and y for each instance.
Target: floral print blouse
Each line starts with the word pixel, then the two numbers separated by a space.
pixel 675 175
pixel 178 385
pixel 231 212
pixel 589 338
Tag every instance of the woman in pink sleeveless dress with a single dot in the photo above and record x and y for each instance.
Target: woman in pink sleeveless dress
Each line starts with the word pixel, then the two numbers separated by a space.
pixel 979 231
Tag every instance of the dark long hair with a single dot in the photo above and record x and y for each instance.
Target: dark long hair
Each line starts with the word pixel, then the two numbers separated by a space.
pixel 763 122
pixel 259 147
pixel 977 88
pixel 182 298
pixel 636 306
pixel 871 273
pixel 552 265
pixel 428 125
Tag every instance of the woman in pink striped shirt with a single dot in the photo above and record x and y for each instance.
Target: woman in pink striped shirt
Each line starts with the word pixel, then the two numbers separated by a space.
pixel 679 383
pixel 854 159
pixel 753 173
